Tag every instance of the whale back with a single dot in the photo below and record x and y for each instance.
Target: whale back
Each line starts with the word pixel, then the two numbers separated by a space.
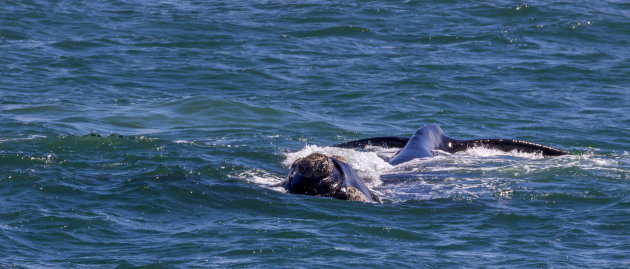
pixel 451 145
pixel 381 141
pixel 431 137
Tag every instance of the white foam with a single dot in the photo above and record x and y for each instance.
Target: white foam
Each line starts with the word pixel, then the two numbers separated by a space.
pixel 262 178
pixel 476 172
pixel 29 137
pixel 368 165
pixel 371 165
pixel 597 163
pixel 482 151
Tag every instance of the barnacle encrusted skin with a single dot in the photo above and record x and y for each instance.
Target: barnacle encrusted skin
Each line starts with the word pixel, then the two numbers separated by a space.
pixel 340 158
pixel 314 166
pixel 356 195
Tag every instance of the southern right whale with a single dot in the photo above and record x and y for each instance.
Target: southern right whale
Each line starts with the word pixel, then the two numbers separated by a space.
pixel 321 175
pixel 429 138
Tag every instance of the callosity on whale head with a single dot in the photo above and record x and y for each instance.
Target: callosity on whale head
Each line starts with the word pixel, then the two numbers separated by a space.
pixel 320 175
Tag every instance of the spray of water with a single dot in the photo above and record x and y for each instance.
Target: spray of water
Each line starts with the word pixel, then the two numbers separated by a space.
pixel 475 172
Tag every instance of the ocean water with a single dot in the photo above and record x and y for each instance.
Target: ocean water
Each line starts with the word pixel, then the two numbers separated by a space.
pixel 150 134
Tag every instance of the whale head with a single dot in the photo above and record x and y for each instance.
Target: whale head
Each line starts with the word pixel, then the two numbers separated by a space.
pixel 320 175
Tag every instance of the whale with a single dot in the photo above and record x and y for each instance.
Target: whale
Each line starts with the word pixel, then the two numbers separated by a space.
pixel 331 176
pixel 430 138
pixel 321 175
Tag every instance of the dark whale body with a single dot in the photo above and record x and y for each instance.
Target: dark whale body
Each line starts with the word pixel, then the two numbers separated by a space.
pixel 431 137
pixel 321 175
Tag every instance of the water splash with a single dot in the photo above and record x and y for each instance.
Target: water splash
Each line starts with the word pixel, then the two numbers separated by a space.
pixel 262 178
pixel 368 165
pixel 476 172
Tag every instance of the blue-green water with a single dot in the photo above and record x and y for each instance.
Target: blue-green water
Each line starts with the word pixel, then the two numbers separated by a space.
pixel 146 133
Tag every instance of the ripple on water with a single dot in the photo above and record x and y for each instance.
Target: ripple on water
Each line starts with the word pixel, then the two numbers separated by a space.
pixel 208 105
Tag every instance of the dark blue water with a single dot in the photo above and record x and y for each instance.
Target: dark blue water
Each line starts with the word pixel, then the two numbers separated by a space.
pixel 149 134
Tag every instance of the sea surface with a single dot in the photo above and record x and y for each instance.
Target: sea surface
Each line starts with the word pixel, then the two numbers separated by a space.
pixel 152 134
